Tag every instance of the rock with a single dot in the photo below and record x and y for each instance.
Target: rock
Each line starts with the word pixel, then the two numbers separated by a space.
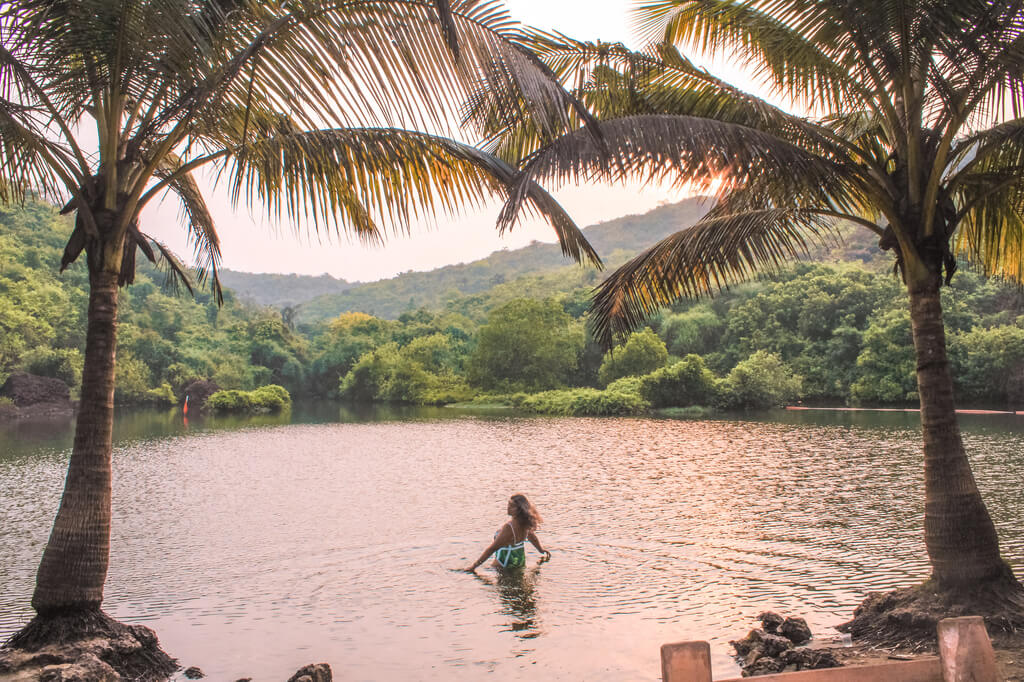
pixel 748 643
pixel 29 389
pixel 752 656
pixel 198 392
pixel 796 630
pixel 770 621
pixel 319 672
pixel 194 673
pixel 35 397
pixel 764 666
pixel 775 644
pixel 810 659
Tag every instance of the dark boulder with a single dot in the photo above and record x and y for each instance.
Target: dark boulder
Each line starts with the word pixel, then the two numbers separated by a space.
pixel 319 672
pixel 796 630
pixel 198 392
pixel 35 396
pixel 749 643
pixel 770 621
pixel 194 673
pixel 775 645
pixel 29 389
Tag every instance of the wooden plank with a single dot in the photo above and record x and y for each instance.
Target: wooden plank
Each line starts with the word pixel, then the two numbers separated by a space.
pixel 966 651
pixel 686 662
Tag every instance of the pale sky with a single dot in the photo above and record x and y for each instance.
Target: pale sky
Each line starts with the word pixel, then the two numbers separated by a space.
pixel 252 243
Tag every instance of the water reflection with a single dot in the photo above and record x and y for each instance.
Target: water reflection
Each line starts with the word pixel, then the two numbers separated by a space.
pixel 314 536
pixel 516 589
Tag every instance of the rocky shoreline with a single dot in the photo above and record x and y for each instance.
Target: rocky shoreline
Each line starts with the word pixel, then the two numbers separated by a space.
pixel 779 645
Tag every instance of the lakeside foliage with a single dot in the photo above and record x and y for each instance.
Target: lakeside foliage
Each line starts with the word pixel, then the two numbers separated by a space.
pixel 269 398
pixel 823 334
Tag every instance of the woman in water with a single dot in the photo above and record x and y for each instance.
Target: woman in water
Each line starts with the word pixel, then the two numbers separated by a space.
pixel 507 547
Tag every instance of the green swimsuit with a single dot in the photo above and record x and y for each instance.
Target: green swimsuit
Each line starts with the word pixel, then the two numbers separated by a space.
pixel 514 555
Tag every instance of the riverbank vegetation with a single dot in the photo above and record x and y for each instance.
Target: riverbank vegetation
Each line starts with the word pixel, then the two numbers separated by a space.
pixel 834 333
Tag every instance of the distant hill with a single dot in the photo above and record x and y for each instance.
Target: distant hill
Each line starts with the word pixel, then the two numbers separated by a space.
pixel 279 291
pixel 614 240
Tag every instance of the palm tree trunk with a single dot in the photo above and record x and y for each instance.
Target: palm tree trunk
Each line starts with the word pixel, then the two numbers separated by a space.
pixel 959 534
pixel 74 565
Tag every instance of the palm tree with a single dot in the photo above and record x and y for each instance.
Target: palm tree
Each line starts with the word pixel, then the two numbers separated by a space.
pixel 914 132
pixel 305 105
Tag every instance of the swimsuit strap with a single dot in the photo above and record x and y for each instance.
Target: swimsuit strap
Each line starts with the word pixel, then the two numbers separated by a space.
pixel 515 541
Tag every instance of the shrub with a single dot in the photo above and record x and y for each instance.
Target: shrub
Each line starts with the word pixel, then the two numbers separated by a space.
pixel 229 401
pixel 59 363
pixel 642 353
pixel 270 398
pixel 761 381
pixel 446 389
pixel 162 395
pixel 687 382
pixel 585 402
pixel 628 384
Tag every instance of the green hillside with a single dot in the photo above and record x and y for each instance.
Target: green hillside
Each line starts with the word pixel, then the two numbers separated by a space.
pixel 280 291
pixel 389 298
pixel 835 331
pixel 325 297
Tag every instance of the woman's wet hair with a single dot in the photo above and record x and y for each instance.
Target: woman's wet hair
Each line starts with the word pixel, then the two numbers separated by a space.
pixel 524 512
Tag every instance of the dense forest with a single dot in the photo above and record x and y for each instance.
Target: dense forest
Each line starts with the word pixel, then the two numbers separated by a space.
pixel 833 331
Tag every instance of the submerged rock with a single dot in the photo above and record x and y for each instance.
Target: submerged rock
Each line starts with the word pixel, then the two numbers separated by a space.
pixel 194 673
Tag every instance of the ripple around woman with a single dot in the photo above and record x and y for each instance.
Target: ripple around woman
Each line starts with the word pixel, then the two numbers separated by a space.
pixel 508 546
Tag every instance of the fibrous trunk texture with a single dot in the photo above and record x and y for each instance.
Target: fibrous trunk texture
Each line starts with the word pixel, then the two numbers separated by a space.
pixel 959 534
pixel 74 565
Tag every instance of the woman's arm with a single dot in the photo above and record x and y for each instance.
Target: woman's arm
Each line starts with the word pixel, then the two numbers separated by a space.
pixel 503 538
pixel 535 541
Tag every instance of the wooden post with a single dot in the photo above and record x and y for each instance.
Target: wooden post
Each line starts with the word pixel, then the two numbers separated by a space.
pixel 965 651
pixel 686 662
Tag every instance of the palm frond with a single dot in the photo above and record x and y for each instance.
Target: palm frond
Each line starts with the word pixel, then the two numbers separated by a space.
pixel 701 260
pixel 199 221
pixel 989 194
pixel 29 160
pixel 176 273
pixel 794 51
pixel 372 180
pixel 686 151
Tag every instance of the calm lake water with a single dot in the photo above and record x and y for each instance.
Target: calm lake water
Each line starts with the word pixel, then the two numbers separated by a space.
pixel 256 546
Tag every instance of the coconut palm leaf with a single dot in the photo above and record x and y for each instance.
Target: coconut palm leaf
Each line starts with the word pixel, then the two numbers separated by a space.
pixel 683 150
pixel 718 251
pixel 810 68
pixel 199 222
pixel 375 180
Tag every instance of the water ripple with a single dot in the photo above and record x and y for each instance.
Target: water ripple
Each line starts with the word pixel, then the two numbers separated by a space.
pixel 253 551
